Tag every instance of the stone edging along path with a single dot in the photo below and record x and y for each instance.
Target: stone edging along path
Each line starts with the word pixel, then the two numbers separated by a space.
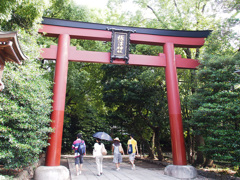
pixel 206 174
pixel 28 172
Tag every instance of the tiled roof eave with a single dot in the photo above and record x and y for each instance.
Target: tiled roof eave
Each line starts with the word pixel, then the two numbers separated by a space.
pixel 9 47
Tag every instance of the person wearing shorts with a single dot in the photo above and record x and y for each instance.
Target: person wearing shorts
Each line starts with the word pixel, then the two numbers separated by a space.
pixel 78 156
pixel 132 143
pixel 117 158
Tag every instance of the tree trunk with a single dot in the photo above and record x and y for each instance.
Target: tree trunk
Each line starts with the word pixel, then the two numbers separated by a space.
pixel 188 53
pixel 208 163
pixel 190 147
pixel 147 146
pixel 158 147
pixel 153 144
pixel 200 156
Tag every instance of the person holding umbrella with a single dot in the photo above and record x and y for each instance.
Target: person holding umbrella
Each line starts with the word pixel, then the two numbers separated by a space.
pixel 117 150
pixel 98 155
pixel 99 149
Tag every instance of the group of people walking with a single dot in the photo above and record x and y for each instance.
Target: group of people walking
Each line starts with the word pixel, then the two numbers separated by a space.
pixel 117 151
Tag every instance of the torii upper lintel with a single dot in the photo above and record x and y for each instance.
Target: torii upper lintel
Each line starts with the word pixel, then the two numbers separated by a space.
pixel 94 31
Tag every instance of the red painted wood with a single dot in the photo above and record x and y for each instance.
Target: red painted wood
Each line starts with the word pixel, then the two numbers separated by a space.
pixel 135 38
pixel 186 63
pixel 53 155
pixel 76 33
pixel 161 40
pixel 104 57
pixel 177 139
pixel 59 94
pixel 167 60
pixel 174 107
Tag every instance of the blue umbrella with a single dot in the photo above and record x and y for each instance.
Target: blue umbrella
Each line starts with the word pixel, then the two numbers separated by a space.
pixel 103 136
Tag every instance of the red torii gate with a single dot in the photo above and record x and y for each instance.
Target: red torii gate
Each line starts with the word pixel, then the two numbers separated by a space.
pixel 65 30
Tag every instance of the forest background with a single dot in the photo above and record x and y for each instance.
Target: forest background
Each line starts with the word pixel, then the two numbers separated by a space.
pixel 123 100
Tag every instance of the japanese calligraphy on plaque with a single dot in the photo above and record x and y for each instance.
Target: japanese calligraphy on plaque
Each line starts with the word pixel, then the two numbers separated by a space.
pixel 120 45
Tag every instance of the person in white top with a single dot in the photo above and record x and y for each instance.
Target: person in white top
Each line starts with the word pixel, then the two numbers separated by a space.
pixel 99 157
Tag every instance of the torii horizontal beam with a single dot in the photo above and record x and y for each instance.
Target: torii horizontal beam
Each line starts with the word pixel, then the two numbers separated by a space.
pixel 99 32
pixel 104 57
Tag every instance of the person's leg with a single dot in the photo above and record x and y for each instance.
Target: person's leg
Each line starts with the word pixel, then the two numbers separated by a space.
pixel 119 160
pixel 98 165
pixel 115 160
pixel 77 164
pixel 131 159
pixel 81 163
pixel 101 167
pixel 77 169
pixel 133 165
pixel 132 162
pixel 81 167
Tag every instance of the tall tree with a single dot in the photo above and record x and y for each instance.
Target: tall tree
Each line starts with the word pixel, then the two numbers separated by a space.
pixel 215 103
pixel 66 9
pixel 137 98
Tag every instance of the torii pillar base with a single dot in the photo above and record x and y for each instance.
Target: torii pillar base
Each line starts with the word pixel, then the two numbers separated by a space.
pixel 52 172
pixel 181 172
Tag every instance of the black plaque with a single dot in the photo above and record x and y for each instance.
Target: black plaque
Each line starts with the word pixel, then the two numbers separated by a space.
pixel 120 45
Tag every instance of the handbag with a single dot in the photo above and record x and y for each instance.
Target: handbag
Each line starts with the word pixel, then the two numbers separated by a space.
pixel 104 151
pixel 120 149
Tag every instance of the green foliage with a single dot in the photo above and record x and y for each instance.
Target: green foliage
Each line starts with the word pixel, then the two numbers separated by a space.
pixel 216 107
pixel 25 108
pixel 136 98
pixel 85 111
pixel 25 103
pixel 66 9
pixel 5 9
pixel 21 14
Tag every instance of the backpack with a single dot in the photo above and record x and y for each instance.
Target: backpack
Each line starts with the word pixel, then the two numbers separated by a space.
pixel 130 150
pixel 81 148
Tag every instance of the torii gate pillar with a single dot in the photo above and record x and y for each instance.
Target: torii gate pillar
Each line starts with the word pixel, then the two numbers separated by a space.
pixel 59 95
pixel 179 169
pixel 52 168
pixel 174 107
